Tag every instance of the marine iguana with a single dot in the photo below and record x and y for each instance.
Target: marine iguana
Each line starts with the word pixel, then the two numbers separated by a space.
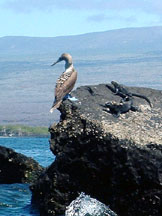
pixel 123 92
pixel 124 106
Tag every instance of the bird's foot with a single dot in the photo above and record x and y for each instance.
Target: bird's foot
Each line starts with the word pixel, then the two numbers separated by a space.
pixel 69 97
pixel 73 99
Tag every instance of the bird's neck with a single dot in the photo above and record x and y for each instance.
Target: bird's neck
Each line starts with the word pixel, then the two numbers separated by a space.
pixel 68 66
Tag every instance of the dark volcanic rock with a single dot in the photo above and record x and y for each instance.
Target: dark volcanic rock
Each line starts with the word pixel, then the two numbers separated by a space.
pixel 116 160
pixel 17 168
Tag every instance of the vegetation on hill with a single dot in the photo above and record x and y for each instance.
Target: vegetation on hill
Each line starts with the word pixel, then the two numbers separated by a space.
pixel 23 130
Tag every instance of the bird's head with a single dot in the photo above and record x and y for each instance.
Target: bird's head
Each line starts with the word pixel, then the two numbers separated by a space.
pixel 64 57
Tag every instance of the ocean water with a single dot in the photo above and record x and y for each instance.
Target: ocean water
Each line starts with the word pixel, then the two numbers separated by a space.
pixel 15 199
pixel 29 84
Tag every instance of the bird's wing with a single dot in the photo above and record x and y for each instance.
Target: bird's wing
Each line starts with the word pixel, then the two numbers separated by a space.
pixel 65 84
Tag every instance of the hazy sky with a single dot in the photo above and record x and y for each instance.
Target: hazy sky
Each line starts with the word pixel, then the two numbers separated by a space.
pixel 50 18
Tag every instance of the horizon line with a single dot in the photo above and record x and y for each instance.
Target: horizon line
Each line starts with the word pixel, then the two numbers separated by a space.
pixel 71 35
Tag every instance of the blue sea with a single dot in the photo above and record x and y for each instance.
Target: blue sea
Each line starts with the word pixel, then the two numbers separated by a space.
pixel 15 199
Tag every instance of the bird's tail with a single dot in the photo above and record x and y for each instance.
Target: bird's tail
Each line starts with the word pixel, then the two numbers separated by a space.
pixel 55 105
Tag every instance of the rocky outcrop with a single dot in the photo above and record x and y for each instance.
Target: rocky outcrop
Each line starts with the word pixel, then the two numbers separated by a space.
pixel 115 160
pixel 17 168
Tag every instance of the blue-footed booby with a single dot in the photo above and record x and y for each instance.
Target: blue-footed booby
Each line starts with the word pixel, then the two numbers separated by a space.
pixel 65 82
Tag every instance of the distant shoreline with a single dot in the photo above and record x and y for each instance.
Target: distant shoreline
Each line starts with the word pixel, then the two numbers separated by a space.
pixel 11 131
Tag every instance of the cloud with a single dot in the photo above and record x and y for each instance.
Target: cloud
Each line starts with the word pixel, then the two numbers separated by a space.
pixel 103 17
pixel 26 6
pixel 23 6
pixel 97 18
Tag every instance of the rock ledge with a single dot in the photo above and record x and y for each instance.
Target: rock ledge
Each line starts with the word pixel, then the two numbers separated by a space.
pixel 115 160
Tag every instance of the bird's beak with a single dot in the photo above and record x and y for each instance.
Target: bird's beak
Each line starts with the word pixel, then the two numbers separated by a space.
pixel 56 62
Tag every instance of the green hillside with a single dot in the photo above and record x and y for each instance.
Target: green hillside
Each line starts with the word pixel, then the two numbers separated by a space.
pixel 22 130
